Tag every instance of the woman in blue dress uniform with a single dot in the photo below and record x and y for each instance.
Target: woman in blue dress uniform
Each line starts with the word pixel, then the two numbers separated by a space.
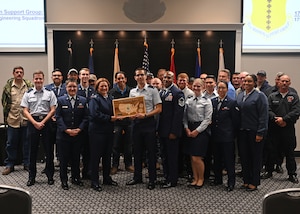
pixel 253 106
pixel 224 127
pixel 101 128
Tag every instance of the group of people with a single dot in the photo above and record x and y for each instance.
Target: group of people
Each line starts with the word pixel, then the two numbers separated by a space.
pixel 193 126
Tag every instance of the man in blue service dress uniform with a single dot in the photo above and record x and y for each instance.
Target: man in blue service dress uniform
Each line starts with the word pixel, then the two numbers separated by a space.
pixel 59 89
pixel 85 90
pixel 72 118
pixel 170 127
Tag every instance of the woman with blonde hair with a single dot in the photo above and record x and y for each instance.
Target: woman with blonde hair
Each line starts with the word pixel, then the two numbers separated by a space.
pixel 197 117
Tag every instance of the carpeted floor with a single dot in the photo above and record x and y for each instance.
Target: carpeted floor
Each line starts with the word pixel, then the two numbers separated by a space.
pixel 138 199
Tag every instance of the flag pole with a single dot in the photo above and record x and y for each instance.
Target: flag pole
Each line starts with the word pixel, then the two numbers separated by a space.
pixel 91 43
pixel 221 56
pixel 116 60
pixel 70 63
pixel 221 43
pixel 117 43
pixel 91 61
pixel 146 62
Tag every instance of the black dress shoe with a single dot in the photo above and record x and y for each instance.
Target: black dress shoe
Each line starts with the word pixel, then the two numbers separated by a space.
pixel 251 189
pixel 26 168
pixel 229 188
pixel 30 182
pixel 266 175
pixel 278 169
pixel 191 185
pixel 64 185
pixel 97 188
pixel 151 185
pixel 244 186
pixel 168 185
pixel 198 186
pixel 50 181
pixel 134 182
pixel 162 182
pixel 77 182
pixel 293 179
pixel 110 183
pixel 215 183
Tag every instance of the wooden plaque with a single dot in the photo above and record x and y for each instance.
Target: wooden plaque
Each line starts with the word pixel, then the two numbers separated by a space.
pixel 127 107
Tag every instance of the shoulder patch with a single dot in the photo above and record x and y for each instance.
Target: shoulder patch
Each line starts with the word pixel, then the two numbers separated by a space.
pixel 189 96
pixel 48 89
pixel 30 90
pixel 93 95
pixel 215 98
pixel 150 86
pixel 181 101
pixel 290 98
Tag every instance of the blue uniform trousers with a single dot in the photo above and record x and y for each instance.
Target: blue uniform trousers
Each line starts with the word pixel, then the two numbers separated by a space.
pixel 36 136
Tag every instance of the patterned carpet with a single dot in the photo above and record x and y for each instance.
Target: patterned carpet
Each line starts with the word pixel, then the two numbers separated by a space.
pixel 138 199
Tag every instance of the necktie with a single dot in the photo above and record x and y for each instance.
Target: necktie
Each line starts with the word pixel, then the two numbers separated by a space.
pixel 72 102
pixel 85 92
pixel 219 104
pixel 56 90
pixel 164 92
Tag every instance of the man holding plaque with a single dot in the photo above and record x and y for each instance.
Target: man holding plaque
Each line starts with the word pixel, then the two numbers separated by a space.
pixel 144 129
pixel 170 127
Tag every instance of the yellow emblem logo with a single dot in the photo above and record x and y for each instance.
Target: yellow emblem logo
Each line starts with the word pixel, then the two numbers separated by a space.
pixel 269 15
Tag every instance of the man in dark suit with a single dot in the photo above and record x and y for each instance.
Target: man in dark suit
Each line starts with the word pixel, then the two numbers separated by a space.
pixel 72 117
pixel 224 128
pixel 85 90
pixel 170 127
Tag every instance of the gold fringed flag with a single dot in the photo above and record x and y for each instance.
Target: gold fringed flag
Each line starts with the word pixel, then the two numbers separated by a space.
pixel 172 63
pixel 91 61
pixel 198 61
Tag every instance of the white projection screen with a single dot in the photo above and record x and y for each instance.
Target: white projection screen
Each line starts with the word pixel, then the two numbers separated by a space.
pixel 271 26
pixel 22 24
